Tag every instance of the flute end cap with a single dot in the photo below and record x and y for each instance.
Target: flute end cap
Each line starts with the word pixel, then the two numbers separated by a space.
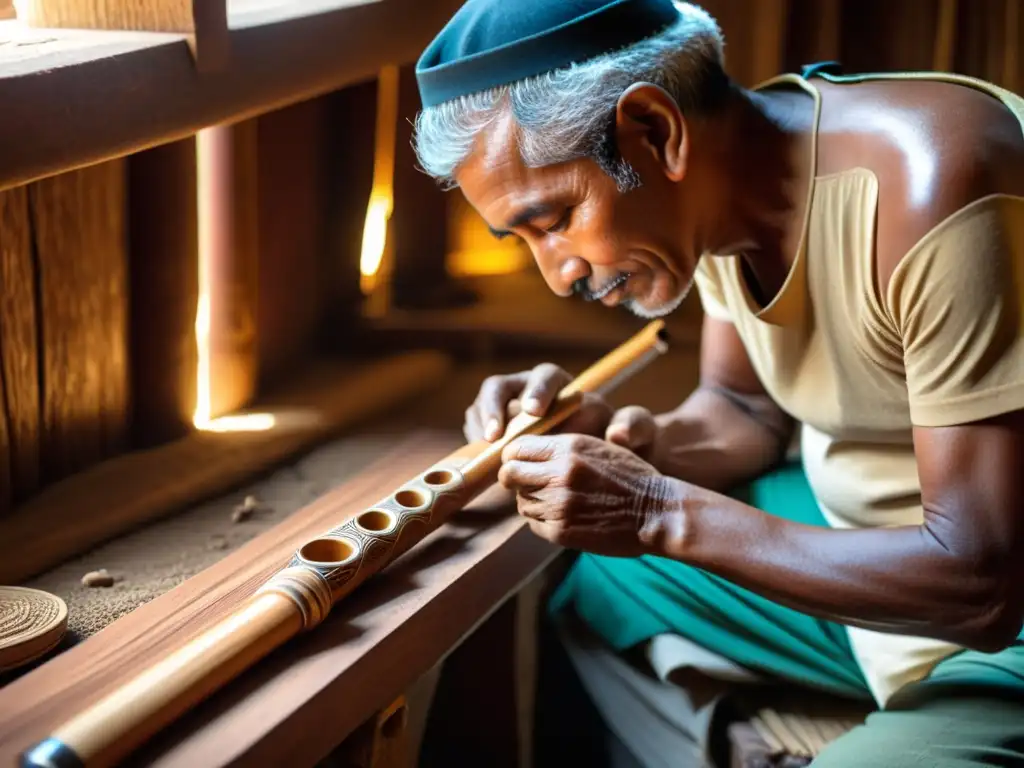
pixel 664 338
pixel 51 753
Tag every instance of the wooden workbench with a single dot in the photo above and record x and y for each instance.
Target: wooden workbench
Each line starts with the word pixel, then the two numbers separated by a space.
pixel 301 702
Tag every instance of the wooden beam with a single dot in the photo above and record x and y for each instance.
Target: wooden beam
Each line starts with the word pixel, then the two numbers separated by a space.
pixel 164 268
pixel 300 703
pixel 228 267
pixel 78 223
pixel 203 22
pixel 108 499
pixel 60 89
pixel 19 345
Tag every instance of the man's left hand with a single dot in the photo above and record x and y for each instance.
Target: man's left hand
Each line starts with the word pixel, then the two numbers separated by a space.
pixel 585 493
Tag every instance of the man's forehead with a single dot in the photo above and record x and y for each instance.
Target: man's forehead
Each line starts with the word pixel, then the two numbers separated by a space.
pixel 496 151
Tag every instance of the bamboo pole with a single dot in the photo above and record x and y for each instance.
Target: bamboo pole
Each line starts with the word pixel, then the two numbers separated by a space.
pixel 323 571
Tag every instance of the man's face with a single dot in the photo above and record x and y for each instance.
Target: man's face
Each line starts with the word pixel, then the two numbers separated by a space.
pixel 624 249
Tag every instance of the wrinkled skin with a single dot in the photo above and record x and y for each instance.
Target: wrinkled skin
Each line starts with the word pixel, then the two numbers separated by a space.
pixel 584 493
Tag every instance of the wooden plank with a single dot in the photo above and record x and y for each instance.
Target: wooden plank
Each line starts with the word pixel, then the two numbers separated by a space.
pixel 59 96
pixel 164 259
pixel 19 340
pixel 204 23
pixel 297 705
pixel 108 499
pixel 228 265
pixel 348 170
pixel 769 27
pixel 294 264
pixel 419 224
pixel 78 222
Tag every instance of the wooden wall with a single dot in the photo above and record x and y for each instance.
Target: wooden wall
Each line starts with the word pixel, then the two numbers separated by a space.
pixel 100 280
pixel 981 38
pixel 63 327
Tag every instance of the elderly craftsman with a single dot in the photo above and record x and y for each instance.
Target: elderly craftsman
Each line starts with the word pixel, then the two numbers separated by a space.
pixel 858 247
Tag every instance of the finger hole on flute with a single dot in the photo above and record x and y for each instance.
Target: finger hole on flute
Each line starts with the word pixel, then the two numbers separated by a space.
pixel 328 550
pixel 375 521
pixel 410 498
pixel 438 477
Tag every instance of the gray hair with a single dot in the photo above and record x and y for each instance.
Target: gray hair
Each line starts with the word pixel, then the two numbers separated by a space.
pixel 569 113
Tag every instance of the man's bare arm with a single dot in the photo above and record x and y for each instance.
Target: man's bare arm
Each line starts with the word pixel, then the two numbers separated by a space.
pixel 958 577
pixel 729 430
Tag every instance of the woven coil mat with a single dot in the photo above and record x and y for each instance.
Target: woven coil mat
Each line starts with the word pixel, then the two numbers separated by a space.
pixel 31 624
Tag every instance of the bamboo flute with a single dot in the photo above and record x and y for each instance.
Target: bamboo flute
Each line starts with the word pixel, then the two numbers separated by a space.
pixel 322 572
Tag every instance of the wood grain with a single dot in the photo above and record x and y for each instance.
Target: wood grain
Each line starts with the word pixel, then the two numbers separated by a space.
pixel 295 266
pixel 228 259
pixel 58 97
pixel 108 499
pixel 164 269
pixel 78 222
pixel 302 701
pixel 19 344
pixel 149 16
pixel 205 22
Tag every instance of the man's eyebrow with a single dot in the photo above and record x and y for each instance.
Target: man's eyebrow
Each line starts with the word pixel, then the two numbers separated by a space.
pixel 524 216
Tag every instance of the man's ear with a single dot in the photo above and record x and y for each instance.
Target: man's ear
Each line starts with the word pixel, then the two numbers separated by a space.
pixel 648 118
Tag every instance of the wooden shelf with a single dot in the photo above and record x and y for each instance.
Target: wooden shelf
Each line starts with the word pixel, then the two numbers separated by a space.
pixel 73 98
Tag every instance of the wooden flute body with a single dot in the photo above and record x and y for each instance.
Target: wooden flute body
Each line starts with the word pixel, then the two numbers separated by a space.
pixel 321 573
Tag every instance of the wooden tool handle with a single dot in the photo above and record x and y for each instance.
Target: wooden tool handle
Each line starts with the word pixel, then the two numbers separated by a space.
pixel 324 571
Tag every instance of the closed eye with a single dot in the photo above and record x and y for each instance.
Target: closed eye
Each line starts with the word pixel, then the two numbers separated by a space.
pixel 563 223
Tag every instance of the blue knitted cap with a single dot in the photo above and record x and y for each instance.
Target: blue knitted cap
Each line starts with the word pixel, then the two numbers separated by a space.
pixel 490 43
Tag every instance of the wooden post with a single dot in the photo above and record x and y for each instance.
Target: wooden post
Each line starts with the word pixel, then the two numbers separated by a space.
pixel 78 222
pixel 348 176
pixel 19 348
pixel 769 38
pixel 293 261
pixel 227 268
pixel 164 257
pixel 419 228
pixel 204 21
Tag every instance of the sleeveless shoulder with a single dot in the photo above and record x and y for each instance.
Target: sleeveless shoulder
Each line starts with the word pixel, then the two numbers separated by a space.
pixel 957 302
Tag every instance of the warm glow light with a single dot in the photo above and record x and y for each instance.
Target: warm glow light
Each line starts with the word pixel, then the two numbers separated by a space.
pixel 381 203
pixel 243 422
pixel 375 233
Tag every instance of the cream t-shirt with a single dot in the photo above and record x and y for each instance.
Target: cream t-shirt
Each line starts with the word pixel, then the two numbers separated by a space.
pixel 859 368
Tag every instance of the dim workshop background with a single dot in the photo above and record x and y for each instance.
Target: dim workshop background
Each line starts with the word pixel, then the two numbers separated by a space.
pixel 232 311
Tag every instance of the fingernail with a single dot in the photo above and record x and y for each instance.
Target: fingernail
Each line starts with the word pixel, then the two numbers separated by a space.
pixel 532 405
pixel 492 429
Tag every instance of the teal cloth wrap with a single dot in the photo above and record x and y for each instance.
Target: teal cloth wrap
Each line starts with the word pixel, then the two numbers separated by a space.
pixel 627 601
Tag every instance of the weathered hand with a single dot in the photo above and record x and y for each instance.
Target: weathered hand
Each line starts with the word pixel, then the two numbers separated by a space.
pixel 584 493
pixel 633 427
pixel 501 397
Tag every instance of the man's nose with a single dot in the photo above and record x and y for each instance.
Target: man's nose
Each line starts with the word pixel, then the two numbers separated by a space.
pixel 562 273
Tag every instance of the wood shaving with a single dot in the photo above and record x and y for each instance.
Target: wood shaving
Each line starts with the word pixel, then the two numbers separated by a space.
pixel 246 509
pixel 98 578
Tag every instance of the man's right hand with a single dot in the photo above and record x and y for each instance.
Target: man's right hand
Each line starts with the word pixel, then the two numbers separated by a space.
pixel 502 397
